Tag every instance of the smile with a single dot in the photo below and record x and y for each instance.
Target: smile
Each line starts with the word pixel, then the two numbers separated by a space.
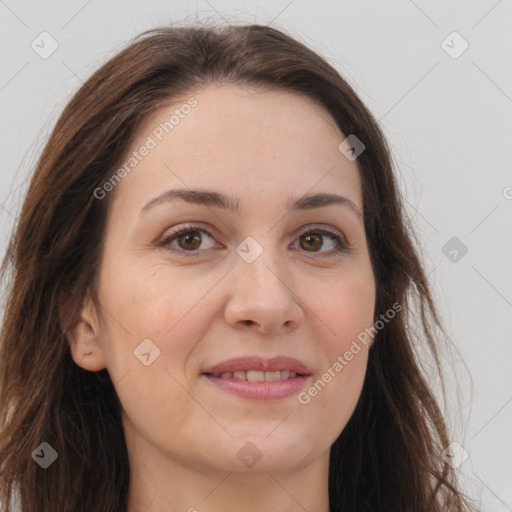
pixel 257 376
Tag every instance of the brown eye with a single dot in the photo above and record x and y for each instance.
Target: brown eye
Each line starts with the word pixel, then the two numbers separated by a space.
pixel 311 241
pixel 189 241
pixel 314 240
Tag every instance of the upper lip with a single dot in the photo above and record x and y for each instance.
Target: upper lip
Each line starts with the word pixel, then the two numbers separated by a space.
pixel 279 363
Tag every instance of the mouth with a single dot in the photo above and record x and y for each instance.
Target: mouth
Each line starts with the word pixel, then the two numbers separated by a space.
pixel 260 379
pixel 256 375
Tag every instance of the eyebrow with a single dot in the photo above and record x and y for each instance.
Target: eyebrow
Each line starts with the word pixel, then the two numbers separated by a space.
pixel 213 199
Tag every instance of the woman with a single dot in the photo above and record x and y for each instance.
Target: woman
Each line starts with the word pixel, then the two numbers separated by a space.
pixel 213 285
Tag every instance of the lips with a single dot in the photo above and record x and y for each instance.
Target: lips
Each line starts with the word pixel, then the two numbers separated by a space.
pixel 260 379
pixel 257 364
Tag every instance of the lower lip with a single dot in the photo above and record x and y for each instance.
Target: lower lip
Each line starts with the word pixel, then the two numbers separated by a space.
pixel 261 390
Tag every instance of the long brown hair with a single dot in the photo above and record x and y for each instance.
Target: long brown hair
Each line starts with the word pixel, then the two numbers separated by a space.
pixel 388 458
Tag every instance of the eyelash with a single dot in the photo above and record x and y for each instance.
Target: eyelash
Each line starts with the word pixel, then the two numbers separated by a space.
pixel 165 243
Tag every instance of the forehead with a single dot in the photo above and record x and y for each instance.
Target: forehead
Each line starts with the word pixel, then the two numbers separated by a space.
pixel 254 143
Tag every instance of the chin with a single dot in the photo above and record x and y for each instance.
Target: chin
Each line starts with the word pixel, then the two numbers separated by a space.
pixel 264 452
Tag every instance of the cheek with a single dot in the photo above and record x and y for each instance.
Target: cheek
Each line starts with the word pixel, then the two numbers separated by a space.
pixel 158 301
pixel 162 306
pixel 346 306
pixel 333 396
pixel 148 302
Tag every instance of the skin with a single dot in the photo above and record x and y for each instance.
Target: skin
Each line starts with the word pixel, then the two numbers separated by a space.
pixel 183 433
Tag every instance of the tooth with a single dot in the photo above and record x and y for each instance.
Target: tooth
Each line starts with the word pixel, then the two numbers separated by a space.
pixel 255 376
pixel 272 376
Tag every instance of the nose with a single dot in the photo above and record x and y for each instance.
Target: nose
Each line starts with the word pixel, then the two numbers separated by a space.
pixel 262 296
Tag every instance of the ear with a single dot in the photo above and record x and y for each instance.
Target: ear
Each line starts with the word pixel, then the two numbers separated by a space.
pixel 82 333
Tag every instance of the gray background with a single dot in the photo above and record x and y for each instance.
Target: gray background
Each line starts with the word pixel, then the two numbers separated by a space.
pixel 448 121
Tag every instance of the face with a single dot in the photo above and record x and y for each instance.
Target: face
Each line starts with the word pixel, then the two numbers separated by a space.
pixel 284 283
